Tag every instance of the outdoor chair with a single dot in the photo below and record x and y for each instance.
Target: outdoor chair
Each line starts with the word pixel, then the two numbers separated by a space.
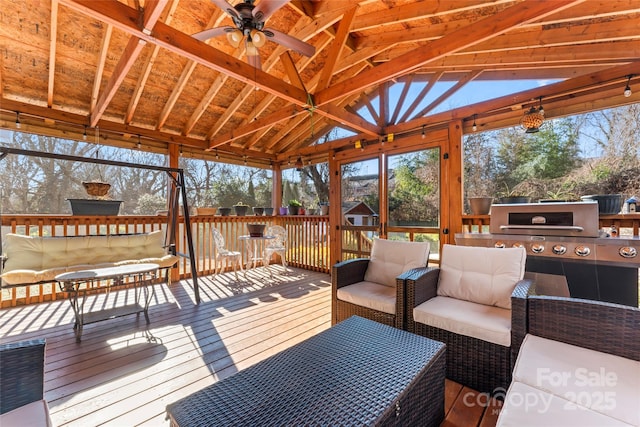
pixel 374 287
pixel 22 400
pixel 278 245
pixel 222 254
pixel 476 303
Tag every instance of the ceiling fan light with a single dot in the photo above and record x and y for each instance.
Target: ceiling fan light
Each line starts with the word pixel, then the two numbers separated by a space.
pixel 257 38
pixel 234 38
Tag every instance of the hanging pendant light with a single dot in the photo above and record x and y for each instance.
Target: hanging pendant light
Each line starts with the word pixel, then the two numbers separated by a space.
pixel 627 89
pixel 533 119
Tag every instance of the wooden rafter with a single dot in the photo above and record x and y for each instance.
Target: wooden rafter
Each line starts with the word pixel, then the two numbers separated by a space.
pixel 430 84
pixel 104 48
pixel 336 48
pixel 52 51
pixel 447 93
pixel 455 41
pixel 144 76
pixel 362 48
pixel 401 100
pixel 124 18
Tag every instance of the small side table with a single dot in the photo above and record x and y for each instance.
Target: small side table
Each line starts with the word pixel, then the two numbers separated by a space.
pixel 142 275
pixel 252 248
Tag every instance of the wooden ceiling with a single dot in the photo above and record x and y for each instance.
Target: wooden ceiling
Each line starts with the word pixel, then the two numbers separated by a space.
pixel 132 69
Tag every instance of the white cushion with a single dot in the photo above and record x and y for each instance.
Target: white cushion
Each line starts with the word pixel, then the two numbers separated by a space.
pixel 528 406
pixel 391 258
pixel 34 414
pixel 371 295
pixel 484 322
pixel 483 275
pixel 37 259
pixel 602 382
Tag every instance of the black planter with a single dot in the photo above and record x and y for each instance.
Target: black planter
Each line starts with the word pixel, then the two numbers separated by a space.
pixel 293 210
pixel 224 211
pixel 608 204
pixel 94 207
pixel 518 199
pixel 241 210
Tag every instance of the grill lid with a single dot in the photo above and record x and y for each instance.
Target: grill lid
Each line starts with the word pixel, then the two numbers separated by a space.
pixel 546 219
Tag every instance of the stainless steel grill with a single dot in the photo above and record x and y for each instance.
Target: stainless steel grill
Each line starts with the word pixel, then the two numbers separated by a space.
pixel 564 239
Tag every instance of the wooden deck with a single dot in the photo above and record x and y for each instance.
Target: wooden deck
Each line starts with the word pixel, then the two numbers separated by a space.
pixel 125 373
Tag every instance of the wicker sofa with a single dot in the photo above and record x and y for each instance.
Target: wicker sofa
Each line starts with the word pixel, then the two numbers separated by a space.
pixel 373 288
pixel 476 303
pixel 22 387
pixel 30 260
pixel 579 365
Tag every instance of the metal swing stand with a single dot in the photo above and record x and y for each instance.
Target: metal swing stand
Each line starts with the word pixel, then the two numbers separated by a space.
pixel 176 176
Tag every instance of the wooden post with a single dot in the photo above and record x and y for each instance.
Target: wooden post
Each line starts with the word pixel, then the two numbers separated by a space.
pixel 335 237
pixel 452 183
pixel 174 159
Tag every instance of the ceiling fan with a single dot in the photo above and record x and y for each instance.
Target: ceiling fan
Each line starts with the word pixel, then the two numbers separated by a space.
pixel 249 24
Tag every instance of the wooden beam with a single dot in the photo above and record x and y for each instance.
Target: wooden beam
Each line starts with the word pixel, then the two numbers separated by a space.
pixel 124 18
pixel 144 76
pixel 447 93
pixel 105 126
pixel 128 58
pixel 188 69
pixel 522 98
pixel 336 48
pixel 291 71
pixel 430 84
pixel 453 42
pixel 401 99
pixel 349 120
pixel 255 125
pixel 97 80
pixel 417 10
pixel 52 51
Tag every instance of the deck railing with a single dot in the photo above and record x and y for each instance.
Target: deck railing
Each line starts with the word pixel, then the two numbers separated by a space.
pixel 307 241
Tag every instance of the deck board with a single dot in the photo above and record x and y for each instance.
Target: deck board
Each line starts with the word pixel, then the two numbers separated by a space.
pixel 125 372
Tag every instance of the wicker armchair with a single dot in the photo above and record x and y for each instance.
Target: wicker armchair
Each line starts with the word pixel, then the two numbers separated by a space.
pixel 374 288
pixel 581 359
pixel 482 339
pixel 22 386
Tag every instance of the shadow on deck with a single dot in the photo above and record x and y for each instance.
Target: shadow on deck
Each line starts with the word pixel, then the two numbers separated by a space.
pixel 125 372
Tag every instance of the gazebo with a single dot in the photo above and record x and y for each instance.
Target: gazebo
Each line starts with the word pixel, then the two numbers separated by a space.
pixel 263 84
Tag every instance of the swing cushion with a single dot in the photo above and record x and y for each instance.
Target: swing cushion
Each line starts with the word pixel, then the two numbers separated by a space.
pixel 31 259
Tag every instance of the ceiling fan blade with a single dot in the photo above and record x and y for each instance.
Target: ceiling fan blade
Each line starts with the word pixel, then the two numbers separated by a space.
pixel 212 32
pixel 227 7
pixel 290 42
pixel 266 8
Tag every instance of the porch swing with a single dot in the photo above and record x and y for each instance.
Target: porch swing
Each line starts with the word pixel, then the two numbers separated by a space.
pixel 176 176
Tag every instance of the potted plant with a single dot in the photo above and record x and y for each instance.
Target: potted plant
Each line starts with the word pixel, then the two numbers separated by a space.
pixel 282 210
pixel 324 208
pixel 240 208
pixel 257 211
pixel 513 195
pixel 207 204
pixel 224 211
pixel 99 204
pixel 294 207
pixel 268 211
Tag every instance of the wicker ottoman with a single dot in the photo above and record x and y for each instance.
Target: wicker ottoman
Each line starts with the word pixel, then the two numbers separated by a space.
pixel 358 372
